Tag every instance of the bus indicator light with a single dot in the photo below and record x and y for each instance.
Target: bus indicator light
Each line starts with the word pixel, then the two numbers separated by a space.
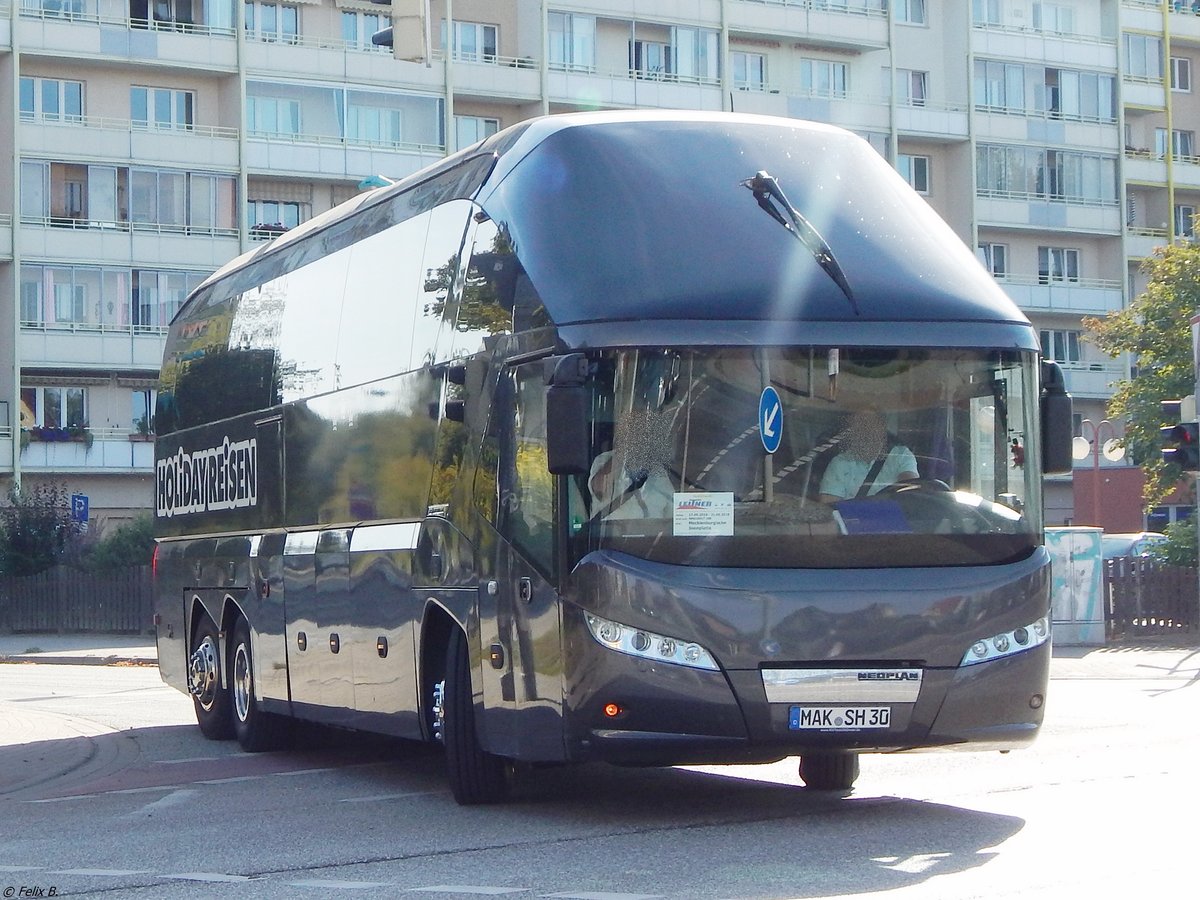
pixel 612 710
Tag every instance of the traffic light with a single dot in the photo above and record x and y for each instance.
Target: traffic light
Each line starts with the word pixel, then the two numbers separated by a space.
pixel 1181 445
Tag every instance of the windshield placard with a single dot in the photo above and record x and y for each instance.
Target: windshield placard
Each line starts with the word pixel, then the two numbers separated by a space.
pixel 698 514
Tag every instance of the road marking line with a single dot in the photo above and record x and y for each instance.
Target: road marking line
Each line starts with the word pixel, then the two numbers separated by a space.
pixel 604 895
pixel 22 868
pixel 468 889
pixel 116 873
pixel 379 797
pixel 341 885
pixel 213 877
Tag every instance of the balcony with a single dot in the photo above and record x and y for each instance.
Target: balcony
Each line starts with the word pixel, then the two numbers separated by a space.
pixel 306 155
pixel 71 240
pixel 1185 21
pixel 5 25
pixel 488 77
pixel 1091 297
pixel 1036 126
pixel 65 345
pixel 1076 51
pixel 588 88
pixel 859 25
pixel 1092 380
pixel 1022 210
pixel 6 235
pixel 87 34
pixel 336 60
pixel 1141 242
pixel 120 140
pixel 108 450
pixel 1144 93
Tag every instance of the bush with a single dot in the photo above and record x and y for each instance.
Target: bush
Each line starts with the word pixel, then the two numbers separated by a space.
pixel 130 544
pixel 36 529
pixel 1179 549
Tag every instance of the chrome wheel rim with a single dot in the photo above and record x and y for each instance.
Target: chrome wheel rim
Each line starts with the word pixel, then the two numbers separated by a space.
pixel 203 682
pixel 242 682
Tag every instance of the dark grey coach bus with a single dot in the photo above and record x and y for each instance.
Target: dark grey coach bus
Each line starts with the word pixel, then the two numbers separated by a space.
pixel 655 439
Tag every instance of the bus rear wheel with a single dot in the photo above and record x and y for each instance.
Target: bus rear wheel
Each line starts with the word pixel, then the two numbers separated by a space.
pixel 475 776
pixel 829 771
pixel 209 696
pixel 255 730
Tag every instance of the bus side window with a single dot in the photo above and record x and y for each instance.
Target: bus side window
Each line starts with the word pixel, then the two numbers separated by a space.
pixel 524 485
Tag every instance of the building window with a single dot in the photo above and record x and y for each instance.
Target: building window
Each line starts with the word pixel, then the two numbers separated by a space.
pixel 51 99
pixel 1181 74
pixel 1057 264
pixel 164 14
pixel 359 27
pixel 273 22
pixel 473 42
pixel 1143 56
pixel 1055 18
pixel 649 59
pixel 1183 143
pixel 995 259
pixel 572 40
pixel 911 12
pixel 162 107
pixel 1060 345
pixel 268 116
pixel 374 125
pixel 469 130
pixel 142 410
pixel 749 70
pixel 915 170
pixel 985 12
pixel 1185 220
pixel 269 218
pixel 67 9
pixel 912 87
pixel 822 78
pixel 54 407
pixel 694 54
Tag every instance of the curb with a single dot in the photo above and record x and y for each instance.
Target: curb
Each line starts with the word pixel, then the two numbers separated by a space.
pixel 51 660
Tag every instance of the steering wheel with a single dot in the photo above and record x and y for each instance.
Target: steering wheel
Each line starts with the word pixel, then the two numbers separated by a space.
pixel 914 484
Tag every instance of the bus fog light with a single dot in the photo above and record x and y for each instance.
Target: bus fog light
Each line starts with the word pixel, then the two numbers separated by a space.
pixel 1036 701
pixel 612 710
pixel 648 645
pixel 1007 643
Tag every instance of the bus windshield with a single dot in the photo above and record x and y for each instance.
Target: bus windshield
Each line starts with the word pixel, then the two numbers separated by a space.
pixel 811 457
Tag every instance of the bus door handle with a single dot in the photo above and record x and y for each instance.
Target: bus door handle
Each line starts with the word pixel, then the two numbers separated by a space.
pixel 525 590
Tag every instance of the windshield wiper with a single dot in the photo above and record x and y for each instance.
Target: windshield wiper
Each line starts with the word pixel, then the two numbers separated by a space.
pixel 765 189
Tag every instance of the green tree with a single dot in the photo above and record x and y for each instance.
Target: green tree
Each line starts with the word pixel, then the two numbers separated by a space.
pixel 129 544
pixel 37 529
pixel 1156 329
pixel 1179 549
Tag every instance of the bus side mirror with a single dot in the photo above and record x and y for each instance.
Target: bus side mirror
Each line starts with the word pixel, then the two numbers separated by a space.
pixel 567 440
pixel 1057 427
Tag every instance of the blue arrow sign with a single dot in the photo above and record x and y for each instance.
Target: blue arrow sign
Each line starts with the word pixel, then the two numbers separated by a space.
pixel 770 419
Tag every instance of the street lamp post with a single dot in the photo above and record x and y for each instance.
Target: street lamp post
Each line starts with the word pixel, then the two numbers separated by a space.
pixel 1111 448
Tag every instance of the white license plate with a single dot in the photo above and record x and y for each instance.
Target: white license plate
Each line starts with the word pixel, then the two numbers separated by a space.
pixel 838 718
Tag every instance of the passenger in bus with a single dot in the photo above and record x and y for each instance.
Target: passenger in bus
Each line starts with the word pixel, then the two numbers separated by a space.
pixel 869 460
pixel 618 493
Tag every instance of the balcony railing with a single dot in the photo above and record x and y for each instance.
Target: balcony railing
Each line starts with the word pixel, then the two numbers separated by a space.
pixel 1029 31
pixel 85 224
pixel 108 123
pixel 338 141
pixel 874 8
pixel 1048 115
pixel 1032 197
pixel 84 11
pixel 95 328
pixel 1100 284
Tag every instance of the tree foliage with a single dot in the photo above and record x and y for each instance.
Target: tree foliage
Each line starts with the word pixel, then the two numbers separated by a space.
pixel 37 529
pixel 1156 330
pixel 1179 549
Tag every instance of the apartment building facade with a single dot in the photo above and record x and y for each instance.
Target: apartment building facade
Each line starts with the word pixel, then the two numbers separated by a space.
pixel 147 142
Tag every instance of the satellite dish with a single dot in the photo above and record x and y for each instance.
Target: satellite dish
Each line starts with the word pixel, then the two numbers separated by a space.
pixel 1113 451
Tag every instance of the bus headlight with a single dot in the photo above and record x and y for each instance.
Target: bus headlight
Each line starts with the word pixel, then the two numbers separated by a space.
pixel 1008 643
pixel 648 645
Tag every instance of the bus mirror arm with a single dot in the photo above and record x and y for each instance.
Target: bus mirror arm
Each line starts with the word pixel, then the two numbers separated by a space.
pixel 567 414
pixel 1057 426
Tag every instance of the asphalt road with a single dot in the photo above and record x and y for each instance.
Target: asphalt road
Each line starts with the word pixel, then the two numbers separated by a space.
pixel 107 787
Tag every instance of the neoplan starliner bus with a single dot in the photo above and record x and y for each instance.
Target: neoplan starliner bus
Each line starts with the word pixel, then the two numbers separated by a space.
pixel 649 438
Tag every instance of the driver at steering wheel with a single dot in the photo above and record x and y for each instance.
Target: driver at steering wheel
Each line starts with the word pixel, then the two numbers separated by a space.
pixel 868 462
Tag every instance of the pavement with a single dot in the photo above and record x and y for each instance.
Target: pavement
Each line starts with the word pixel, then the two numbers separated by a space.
pixel 79 649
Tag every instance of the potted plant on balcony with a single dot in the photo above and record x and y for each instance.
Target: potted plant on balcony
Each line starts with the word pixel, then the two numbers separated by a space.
pixel 143 430
pixel 82 434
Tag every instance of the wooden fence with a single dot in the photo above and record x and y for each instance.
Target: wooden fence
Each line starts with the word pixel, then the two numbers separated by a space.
pixel 1145 597
pixel 67 600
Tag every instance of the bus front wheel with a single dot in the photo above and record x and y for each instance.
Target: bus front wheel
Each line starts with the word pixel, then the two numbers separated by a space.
pixel 829 771
pixel 209 696
pixel 475 776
